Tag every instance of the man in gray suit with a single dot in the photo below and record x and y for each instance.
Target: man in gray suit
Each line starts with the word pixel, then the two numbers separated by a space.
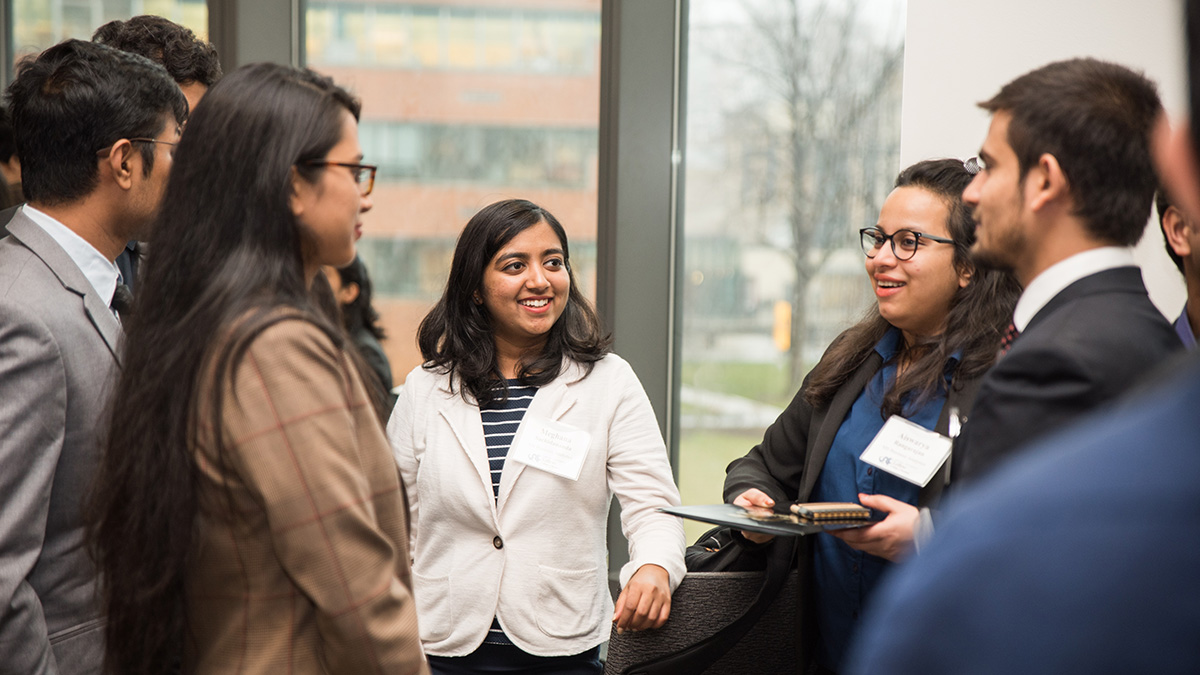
pixel 95 129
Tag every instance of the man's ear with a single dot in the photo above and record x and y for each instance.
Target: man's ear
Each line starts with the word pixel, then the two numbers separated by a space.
pixel 1176 230
pixel 119 163
pixel 1046 182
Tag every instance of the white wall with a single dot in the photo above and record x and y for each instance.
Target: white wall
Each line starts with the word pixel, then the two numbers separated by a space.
pixel 959 52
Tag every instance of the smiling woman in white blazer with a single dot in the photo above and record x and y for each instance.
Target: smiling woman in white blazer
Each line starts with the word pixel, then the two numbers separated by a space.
pixel 510 562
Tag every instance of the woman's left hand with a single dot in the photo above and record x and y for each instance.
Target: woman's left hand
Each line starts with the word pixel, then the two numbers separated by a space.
pixel 890 538
pixel 645 602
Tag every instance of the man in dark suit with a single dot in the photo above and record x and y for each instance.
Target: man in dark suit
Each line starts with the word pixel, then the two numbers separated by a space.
pixel 95 127
pixel 1077 557
pixel 190 61
pixel 1065 190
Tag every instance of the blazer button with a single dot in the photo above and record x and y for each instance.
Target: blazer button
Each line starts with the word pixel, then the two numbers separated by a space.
pixel 497 542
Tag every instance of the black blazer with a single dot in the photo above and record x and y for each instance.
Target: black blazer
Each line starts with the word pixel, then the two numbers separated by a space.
pixel 1085 348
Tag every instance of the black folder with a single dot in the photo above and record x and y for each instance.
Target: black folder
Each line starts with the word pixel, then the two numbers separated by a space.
pixel 766 521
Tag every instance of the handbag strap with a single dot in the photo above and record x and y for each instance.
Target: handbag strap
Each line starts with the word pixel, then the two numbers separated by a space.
pixel 698 657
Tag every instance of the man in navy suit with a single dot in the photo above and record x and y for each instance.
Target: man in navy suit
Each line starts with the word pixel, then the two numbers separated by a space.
pixel 1064 193
pixel 1080 556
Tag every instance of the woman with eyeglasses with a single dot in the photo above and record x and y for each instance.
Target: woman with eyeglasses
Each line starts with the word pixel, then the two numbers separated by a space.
pixel 920 352
pixel 248 513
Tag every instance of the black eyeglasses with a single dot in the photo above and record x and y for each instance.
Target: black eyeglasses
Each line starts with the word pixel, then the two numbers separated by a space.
pixel 904 242
pixel 364 174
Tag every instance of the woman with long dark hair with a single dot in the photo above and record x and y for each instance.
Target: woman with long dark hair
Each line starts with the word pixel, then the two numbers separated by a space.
pixel 513 437
pixel 920 353
pixel 351 286
pixel 248 516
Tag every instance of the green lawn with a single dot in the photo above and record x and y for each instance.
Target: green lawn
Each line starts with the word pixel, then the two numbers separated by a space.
pixel 766 382
pixel 703 456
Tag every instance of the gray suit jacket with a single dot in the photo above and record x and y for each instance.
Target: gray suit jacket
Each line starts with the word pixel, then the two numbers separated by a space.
pixel 58 362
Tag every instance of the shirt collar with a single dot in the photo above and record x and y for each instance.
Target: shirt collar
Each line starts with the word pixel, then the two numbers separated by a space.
pixel 101 272
pixel 1065 272
pixel 889 344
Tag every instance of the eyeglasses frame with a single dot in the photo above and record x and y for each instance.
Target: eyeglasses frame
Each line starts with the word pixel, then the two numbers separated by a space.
pixel 891 238
pixel 372 168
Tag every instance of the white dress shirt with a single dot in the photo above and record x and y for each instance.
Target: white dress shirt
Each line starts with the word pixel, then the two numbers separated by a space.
pixel 101 272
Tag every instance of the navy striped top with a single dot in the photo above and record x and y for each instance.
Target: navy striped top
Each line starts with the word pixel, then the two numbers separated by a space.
pixel 500 422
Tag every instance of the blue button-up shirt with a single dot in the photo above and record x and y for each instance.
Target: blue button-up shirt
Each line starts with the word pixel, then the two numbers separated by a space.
pixel 845 577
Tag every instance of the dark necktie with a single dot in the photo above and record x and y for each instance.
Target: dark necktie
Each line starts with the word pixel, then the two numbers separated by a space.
pixel 122 301
pixel 1010 334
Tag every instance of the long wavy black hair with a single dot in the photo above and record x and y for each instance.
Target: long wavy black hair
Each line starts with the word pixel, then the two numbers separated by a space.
pixel 228 262
pixel 979 312
pixel 457 338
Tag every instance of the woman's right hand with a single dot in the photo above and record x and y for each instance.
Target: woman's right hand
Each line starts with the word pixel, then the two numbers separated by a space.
pixel 755 497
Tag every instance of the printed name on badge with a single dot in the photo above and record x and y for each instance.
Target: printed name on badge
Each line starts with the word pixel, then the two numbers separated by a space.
pixel 907 450
pixel 551 446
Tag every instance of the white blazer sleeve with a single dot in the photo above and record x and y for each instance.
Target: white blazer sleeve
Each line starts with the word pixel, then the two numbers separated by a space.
pixel 640 476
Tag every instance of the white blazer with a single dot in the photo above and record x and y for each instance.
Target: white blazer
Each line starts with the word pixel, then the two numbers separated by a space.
pixel 538 559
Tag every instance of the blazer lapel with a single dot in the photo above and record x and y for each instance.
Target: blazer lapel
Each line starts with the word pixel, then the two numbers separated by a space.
pixel 69 275
pixel 831 421
pixel 551 402
pixel 467 425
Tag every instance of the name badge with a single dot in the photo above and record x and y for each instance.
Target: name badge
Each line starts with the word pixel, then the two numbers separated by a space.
pixel 907 450
pixel 551 446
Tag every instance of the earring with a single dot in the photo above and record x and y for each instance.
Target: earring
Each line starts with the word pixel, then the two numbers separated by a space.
pixel 478 300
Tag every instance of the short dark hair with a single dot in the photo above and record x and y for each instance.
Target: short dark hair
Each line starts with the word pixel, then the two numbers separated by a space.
pixel 8 145
pixel 77 98
pixel 1162 202
pixel 186 57
pixel 1095 118
pixel 457 336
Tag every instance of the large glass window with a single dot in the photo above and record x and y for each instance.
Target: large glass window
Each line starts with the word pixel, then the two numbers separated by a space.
pixel 793 130
pixel 38 24
pixel 465 102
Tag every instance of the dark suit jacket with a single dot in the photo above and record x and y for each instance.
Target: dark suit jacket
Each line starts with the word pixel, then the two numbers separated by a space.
pixel 58 359
pixel 1086 347
pixel 793 450
pixel 1076 557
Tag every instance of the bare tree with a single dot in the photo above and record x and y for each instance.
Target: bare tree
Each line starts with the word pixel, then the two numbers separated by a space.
pixel 821 112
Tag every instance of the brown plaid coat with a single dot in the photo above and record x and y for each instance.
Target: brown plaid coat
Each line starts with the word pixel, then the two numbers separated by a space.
pixel 311 574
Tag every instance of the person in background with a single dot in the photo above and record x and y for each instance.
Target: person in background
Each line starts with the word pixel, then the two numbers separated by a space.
pixel 1077 556
pixel 513 437
pixel 920 353
pixel 94 126
pixel 10 166
pixel 192 63
pixel 1182 236
pixel 351 287
pixel 1066 183
pixel 247 513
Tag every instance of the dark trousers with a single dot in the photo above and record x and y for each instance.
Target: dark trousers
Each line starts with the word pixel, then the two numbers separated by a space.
pixel 510 659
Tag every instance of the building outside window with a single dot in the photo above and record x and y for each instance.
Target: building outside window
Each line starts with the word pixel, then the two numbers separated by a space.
pixel 465 102
pixel 38 24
